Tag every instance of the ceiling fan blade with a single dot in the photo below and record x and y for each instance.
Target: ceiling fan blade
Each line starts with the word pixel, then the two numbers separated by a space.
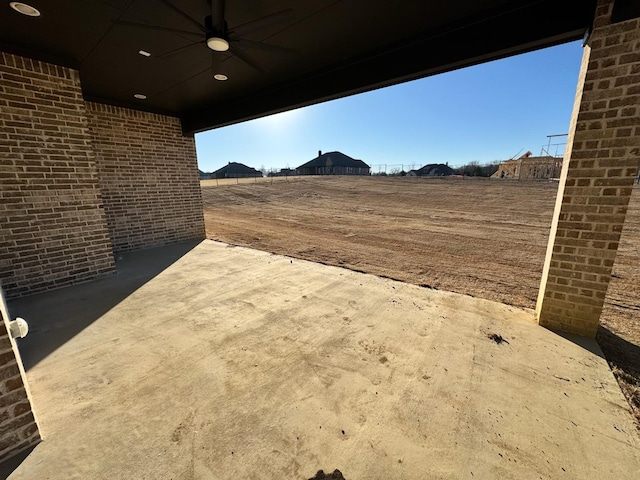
pixel 217 14
pixel 263 22
pixel 268 47
pixel 180 82
pixel 180 49
pixel 216 60
pixel 184 15
pixel 246 58
pixel 157 28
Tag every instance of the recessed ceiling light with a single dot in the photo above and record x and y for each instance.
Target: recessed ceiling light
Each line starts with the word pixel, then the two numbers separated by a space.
pixel 144 53
pixel 140 96
pixel 220 76
pixel 24 9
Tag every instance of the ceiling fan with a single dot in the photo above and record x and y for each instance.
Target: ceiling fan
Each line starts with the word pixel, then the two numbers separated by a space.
pixel 215 34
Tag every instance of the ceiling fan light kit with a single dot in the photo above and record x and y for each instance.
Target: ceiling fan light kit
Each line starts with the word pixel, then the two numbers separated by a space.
pixel 24 9
pixel 217 44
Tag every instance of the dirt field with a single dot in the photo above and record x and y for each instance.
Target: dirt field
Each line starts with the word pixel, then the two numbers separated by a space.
pixel 485 238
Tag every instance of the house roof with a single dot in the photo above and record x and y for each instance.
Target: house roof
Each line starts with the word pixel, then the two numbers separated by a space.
pixel 435 170
pixel 294 69
pixel 236 168
pixel 335 159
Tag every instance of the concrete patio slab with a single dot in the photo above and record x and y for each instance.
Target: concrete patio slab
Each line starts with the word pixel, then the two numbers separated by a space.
pixel 211 361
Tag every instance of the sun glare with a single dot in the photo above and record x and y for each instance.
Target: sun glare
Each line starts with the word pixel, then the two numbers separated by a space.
pixel 281 122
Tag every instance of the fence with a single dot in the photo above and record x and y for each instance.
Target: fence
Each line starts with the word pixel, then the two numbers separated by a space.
pixel 393 168
pixel 217 182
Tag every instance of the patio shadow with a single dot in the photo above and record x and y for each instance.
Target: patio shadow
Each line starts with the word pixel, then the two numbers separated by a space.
pixel 57 316
pixel 589 344
pixel 8 466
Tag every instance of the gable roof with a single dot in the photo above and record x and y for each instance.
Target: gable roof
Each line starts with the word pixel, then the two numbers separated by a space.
pixel 335 159
pixel 236 168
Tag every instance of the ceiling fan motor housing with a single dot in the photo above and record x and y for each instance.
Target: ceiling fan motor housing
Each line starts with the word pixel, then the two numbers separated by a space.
pixel 211 28
pixel 216 40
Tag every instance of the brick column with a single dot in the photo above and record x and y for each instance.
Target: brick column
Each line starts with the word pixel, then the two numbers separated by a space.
pixel 18 426
pixel 602 158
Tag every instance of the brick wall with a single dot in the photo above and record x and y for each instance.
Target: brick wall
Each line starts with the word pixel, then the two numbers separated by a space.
pixel 596 181
pixel 148 175
pixel 52 224
pixel 57 155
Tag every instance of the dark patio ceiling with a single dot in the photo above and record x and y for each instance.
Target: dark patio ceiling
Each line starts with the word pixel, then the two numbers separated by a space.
pixel 338 48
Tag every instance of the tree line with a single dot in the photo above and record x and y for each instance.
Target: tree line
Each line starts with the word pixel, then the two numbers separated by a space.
pixel 471 169
pixel 475 169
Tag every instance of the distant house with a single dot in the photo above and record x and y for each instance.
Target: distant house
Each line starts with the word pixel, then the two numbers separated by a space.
pixel 236 170
pixel 284 172
pixel 432 170
pixel 204 175
pixel 333 163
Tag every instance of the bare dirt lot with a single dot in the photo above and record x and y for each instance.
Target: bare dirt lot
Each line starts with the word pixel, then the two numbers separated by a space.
pixel 480 237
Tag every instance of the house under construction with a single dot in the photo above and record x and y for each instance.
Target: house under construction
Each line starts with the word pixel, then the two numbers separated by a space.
pixel 528 167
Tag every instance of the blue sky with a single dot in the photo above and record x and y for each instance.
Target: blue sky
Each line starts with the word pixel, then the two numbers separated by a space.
pixel 483 113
